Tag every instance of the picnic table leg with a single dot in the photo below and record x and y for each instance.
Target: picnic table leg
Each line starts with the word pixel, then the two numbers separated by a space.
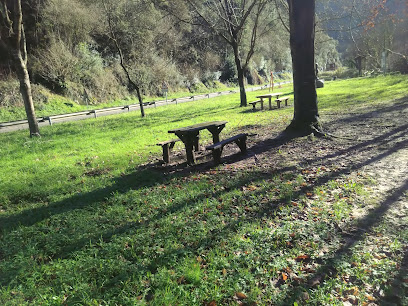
pixel 196 143
pixel 188 141
pixel 270 102
pixel 166 153
pixel 261 103
pixel 189 151
pixel 215 131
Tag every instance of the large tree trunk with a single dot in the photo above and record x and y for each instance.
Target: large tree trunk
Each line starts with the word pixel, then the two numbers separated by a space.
pixel 240 71
pixel 302 23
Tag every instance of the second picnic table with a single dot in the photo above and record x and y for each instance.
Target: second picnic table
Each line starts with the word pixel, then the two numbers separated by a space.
pixel 269 96
pixel 189 136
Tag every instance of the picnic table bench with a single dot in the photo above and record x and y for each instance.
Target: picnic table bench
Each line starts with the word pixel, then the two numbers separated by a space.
pixel 255 102
pixel 167 146
pixel 282 99
pixel 269 97
pixel 190 135
pixel 217 148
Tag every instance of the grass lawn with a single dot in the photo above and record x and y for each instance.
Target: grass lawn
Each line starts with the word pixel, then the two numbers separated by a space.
pixel 84 218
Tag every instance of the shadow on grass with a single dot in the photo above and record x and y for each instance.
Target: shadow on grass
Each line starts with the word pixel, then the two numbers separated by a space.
pixel 363 226
pixel 139 179
pixel 145 178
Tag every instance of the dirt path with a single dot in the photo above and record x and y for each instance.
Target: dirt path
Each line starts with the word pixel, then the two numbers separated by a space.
pixel 373 146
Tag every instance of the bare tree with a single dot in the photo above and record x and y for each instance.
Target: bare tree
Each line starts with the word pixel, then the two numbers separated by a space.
pixel 234 21
pixel 302 34
pixel 12 37
pixel 111 25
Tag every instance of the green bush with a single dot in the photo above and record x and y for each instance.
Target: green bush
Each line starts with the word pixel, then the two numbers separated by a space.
pixel 9 93
pixel 340 73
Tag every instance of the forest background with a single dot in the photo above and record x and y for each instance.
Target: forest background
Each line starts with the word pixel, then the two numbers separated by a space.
pixel 77 49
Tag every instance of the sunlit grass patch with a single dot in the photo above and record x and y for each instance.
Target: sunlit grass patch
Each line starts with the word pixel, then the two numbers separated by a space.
pixel 82 221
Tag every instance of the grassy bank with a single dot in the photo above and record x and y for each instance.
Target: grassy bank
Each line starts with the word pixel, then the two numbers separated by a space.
pixel 47 103
pixel 83 220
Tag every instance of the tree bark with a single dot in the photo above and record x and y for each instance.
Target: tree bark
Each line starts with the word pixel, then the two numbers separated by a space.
pixel 240 72
pixel 359 64
pixel 139 96
pixel 302 33
pixel 16 45
pixel 25 90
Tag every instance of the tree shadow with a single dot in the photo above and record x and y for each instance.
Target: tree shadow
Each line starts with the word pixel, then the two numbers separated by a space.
pixel 146 177
pixel 351 238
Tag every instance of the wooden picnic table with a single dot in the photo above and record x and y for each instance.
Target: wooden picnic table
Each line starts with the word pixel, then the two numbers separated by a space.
pixel 269 96
pixel 189 136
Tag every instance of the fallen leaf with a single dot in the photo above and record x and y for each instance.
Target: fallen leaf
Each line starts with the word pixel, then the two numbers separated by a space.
pixel 370 298
pixel 181 280
pixel 240 295
pixel 352 291
pixel 212 303
pixel 284 276
pixel 302 257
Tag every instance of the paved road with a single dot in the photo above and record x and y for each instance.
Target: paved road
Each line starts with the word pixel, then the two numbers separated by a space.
pixel 44 121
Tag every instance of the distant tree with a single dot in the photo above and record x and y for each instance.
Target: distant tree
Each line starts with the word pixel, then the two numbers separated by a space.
pixel 121 31
pixel 12 37
pixel 369 30
pixel 302 35
pixel 239 23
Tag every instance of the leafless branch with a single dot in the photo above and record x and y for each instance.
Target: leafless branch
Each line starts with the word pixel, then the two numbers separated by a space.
pixel 280 17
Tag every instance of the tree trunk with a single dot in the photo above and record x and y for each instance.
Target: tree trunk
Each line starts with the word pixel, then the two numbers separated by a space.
pixel 240 71
pixel 131 84
pixel 302 23
pixel 359 64
pixel 25 90
pixel 18 51
pixel 139 96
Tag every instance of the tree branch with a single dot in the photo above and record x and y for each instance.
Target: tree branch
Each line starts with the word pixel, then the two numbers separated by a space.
pixel 280 17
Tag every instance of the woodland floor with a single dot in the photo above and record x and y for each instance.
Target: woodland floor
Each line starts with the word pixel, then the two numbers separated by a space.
pixel 370 144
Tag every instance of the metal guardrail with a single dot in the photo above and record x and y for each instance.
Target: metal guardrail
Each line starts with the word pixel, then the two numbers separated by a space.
pixel 132 107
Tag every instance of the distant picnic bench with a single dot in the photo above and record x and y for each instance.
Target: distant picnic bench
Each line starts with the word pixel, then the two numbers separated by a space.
pixel 269 97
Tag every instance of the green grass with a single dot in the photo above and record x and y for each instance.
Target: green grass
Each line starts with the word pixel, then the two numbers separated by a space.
pixel 57 104
pixel 82 221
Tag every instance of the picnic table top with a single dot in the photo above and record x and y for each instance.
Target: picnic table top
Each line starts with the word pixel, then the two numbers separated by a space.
pixel 199 126
pixel 270 95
